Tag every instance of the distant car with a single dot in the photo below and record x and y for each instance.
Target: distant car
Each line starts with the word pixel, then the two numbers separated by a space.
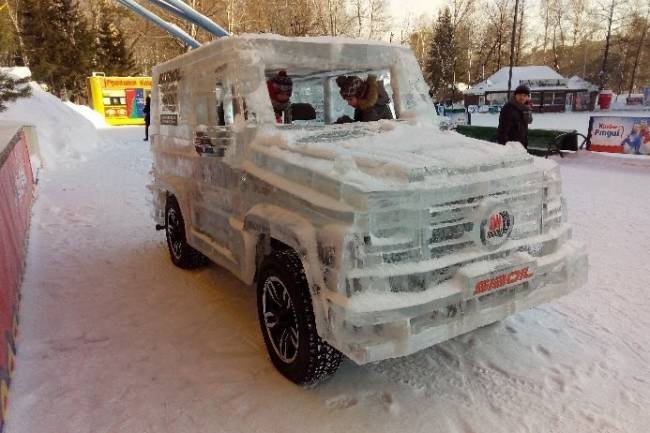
pixel 370 240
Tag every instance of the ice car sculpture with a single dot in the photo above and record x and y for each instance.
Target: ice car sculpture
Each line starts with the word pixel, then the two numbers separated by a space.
pixel 370 240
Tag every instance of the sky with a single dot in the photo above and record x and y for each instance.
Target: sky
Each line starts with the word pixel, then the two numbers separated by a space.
pixel 400 9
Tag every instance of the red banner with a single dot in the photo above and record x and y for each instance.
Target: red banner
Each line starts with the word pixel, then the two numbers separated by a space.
pixel 16 192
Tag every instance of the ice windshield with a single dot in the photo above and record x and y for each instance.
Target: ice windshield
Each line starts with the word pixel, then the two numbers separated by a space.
pixel 311 99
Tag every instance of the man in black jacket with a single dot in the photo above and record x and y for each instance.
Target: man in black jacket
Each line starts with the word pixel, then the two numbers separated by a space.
pixel 515 117
pixel 368 98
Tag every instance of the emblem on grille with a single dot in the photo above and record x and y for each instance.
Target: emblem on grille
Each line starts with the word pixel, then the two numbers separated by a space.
pixel 493 224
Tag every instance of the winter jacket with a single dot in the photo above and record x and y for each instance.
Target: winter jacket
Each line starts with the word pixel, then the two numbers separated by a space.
pixel 147 112
pixel 373 105
pixel 513 123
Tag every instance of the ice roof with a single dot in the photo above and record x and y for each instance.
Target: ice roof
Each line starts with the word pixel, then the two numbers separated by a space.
pixel 499 80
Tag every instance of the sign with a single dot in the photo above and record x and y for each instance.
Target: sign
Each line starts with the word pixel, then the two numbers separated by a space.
pixel 119 83
pixel 169 119
pixel 120 100
pixel 646 96
pixel 546 82
pixel 617 134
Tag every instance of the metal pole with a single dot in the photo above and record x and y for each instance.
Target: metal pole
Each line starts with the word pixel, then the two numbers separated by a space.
pixel 171 28
pixel 512 47
pixel 195 17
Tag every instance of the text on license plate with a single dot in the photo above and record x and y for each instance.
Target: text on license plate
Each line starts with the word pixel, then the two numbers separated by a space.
pixel 506 279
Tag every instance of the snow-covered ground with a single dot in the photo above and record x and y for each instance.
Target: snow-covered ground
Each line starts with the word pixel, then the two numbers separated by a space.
pixel 570 121
pixel 114 338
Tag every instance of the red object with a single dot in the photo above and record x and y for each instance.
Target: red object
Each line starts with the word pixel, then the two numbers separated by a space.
pixel 605 100
pixel 513 277
pixel 605 148
pixel 16 192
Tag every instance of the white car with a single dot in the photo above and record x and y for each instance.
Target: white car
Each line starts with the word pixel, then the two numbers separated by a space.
pixel 370 240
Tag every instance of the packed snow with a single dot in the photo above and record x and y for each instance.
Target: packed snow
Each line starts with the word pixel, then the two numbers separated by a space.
pixel 64 134
pixel 114 338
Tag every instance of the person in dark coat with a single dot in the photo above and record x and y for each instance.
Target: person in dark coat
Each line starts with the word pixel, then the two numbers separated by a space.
pixel 368 98
pixel 147 117
pixel 515 117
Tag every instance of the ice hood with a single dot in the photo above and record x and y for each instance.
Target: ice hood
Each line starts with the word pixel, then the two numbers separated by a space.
pixel 387 155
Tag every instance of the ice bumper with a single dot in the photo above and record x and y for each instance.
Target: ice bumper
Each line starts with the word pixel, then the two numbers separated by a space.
pixel 448 310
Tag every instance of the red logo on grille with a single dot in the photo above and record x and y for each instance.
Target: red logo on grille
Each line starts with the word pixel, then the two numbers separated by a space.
pixel 496 222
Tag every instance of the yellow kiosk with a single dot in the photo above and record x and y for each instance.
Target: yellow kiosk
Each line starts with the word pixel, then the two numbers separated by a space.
pixel 119 99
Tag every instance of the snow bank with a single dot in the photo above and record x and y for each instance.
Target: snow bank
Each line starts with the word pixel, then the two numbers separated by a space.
pixel 64 134
pixel 93 116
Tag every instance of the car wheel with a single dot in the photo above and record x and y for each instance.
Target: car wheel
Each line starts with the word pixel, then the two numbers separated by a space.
pixel 182 254
pixel 286 318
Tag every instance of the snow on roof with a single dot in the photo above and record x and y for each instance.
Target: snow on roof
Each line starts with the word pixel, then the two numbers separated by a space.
pixel 17 72
pixel 552 80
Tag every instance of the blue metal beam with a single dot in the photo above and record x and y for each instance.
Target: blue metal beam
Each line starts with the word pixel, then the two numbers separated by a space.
pixel 193 16
pixel 171 28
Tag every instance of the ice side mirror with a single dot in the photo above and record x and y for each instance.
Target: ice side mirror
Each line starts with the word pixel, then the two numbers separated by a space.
pixel 445 124
pixel 208 145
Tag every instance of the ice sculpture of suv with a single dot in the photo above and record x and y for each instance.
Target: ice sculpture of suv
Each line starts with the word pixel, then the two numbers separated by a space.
pixel 370 240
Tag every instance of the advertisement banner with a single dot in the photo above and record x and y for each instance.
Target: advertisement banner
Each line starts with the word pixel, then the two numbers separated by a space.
pixel 646 96
pixel 616 134
pixel 16 187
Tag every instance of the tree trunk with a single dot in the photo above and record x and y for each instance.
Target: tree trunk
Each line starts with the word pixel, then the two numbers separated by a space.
pixel 512 47
pixel 638 52
pixel 603 69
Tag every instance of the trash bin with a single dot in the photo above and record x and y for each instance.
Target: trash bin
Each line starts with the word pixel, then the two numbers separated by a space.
pixel 605 100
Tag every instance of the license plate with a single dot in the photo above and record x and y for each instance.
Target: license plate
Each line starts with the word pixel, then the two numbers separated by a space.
pixel 502 274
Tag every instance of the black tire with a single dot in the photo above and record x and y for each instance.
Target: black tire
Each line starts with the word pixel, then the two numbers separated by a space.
pixel 181 253
pixel 283 298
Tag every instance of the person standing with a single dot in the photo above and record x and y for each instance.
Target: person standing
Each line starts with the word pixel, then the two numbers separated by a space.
pixel 147 117
pixel 515 117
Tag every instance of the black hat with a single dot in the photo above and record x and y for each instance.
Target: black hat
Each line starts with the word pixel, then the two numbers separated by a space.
pixel 350 85
pixel 522 88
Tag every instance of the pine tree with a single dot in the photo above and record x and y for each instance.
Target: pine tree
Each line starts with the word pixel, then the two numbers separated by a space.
pixel 440 62
pixel 113 57
pixel 58 44
pixel 12 89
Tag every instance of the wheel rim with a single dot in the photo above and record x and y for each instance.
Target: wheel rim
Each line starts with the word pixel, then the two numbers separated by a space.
pixel 174 234
pixel 280 319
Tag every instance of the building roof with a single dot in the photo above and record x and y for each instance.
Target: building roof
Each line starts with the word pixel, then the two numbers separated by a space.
pixel 536 77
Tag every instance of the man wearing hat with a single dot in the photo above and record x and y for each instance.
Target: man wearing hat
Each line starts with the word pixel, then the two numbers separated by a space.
pixel 368 98
pixel 280 89
pixel 515 117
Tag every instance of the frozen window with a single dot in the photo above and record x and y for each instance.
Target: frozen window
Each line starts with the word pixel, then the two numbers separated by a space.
pixel 559 98
pixel 536 97
pixel 316 96
pixel 497 98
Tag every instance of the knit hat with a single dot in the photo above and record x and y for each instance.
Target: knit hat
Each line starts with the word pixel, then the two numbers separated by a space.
pixel 350 85
pixel 280 83
pixel 522 88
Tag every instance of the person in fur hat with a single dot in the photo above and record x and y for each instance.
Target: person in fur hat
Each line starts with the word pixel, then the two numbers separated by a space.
pixel 280 89
pixel 368 98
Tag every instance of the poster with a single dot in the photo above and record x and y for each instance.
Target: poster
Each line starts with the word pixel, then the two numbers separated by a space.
pixel 16 188
pixel 616 134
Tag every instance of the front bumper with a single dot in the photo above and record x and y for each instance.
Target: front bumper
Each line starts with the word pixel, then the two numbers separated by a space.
pixel 402 325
